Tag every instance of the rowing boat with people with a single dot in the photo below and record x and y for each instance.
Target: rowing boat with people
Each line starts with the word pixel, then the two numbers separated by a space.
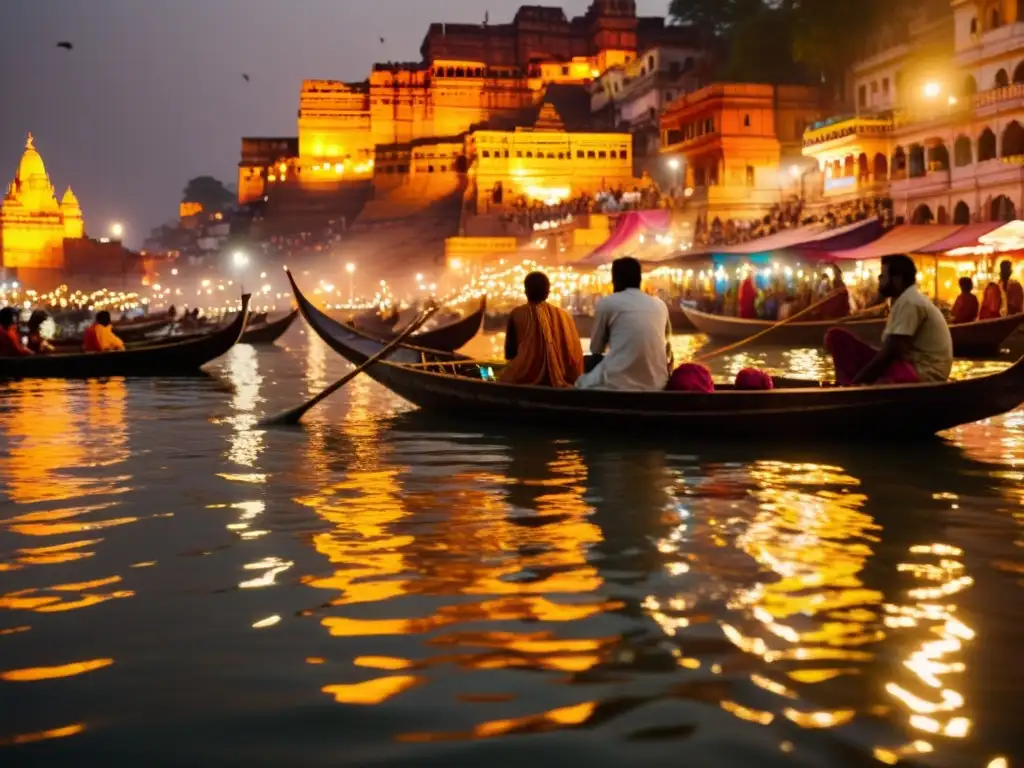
pixel 448 337
pixel 166 358
pixel 807 410
pixel 982 338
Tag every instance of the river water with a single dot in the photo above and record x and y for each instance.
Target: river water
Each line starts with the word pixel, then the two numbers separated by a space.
pixel 377 588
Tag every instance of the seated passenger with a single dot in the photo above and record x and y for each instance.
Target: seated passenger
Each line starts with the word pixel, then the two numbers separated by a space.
pixel 965 308
pixel 635 329
pixel 10 336
pixel 753 379
pixel 36 342
pixel 100 337
pixel 541 341
pixel 916 343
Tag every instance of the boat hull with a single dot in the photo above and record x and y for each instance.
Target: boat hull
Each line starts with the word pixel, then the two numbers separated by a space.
pixel 982 338
pixel 805 410
pixel 268 332
pixel 171 358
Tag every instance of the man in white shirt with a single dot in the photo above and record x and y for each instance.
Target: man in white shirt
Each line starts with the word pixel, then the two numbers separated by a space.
pixel 916 343
pixel 634 328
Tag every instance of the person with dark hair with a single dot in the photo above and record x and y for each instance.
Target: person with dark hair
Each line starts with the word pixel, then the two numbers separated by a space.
pixel 100 337
pixel 10 338
pixel 1002 298
pixel 36 342
pixel 916 343
pixel 965 308
pixel 541 341
pixel 634 328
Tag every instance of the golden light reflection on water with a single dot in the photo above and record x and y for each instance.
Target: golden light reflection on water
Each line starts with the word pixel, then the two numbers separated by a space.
pixel 316 365
pixel 927 623
pixel 34 674
pixel 246 443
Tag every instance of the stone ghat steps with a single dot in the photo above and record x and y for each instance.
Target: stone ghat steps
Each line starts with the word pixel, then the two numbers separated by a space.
pixel 433 197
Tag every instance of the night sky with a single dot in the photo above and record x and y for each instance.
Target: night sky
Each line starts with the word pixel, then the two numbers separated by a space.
pixel 153 94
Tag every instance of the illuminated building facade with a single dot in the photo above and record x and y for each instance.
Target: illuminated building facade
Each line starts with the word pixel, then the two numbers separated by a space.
pixel 940 110
pixel 635 94
pixel 470 75
pixel 33 224
pixel 736 143
pixel 546 162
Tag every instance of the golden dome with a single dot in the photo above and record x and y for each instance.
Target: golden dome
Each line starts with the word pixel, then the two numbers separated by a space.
pixel 31 162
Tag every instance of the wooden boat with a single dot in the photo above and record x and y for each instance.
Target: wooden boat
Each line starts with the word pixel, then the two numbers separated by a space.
pixel 447 338
pixel 456 386
pixel 171 358
pixel 981 338
pixel 268 331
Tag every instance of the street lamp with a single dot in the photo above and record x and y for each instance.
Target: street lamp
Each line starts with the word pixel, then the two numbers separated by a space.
pixel 932 89
pixel 675 165
pixel 116 230
pixel 351 269
pixel 240 259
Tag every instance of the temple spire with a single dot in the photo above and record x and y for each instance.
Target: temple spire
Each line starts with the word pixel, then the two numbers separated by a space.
pixel 28 142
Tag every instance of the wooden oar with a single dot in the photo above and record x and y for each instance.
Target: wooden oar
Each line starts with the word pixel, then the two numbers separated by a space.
pixel 769 329
pixel 294 415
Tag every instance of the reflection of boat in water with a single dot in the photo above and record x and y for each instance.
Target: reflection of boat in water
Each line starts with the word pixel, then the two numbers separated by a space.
pixel 978 339
pixel 798 410
pixel 169 358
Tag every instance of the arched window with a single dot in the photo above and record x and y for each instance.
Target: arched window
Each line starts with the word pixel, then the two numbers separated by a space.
pixel 1002 209
pixel 962 152
pixel 1013 140
pixel 880 170
pixel 1018 72
pixel 938 157
pixel 986 145
pixel 942 215
pixel 961 213
pixel 922 215
pixel 916 162
pixel 995 19
pixel 974 26
pixel 970 86
pixel 862 167
pixel 899 163
pixel 1002 79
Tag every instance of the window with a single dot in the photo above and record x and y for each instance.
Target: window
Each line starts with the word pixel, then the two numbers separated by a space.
pixel 885 85
pixel 565 71
pixel 995 19
pixel 519 153
pixel 590 154
pixel 874 87
pixel 579 154
pixel 750 175
pixel 529 155
pixel 974 26
pixel 650 62
pixel 862 96
pixel 602 155
pixel 486 153
pixel 746 121
pixel 430 169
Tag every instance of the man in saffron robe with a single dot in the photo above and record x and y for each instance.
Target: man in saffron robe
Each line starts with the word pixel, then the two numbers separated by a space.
pixel 541 341
pixel 10 337
pixel 965 308
pixel 916 343
pixel 1005 297
pixel 748 298
pixel 100 337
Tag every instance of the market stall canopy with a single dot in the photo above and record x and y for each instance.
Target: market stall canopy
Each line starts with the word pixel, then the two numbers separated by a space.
pixel 967 236
pixel 627 230
pixel 906 238
pixel 813 239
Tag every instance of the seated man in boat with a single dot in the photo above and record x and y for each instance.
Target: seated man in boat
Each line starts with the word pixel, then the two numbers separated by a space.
pixel 36 342
pixel 100 337
pixel 916 343
pixel 10 336
pixel 965 308
pixel 541 341
pixel 1002 298
pixel 636 331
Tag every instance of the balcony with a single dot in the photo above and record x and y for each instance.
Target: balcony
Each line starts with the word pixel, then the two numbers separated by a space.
pixel 992 101
pixel 1008 38
pixel 837 129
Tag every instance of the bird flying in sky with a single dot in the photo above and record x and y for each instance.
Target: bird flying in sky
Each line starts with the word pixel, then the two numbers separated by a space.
pixel 245 77
pixel 65 44
pixel 382 41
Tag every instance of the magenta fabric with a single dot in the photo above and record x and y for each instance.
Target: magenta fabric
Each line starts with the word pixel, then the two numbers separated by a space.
pixel 851 355
pixel 631 224
pixel 754 378
pixel 690 377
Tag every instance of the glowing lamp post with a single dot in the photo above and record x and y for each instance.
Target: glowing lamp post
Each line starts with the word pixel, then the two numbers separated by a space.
pixel 241 260
pixel 674 165
pixel 116 230
pixel 351 269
